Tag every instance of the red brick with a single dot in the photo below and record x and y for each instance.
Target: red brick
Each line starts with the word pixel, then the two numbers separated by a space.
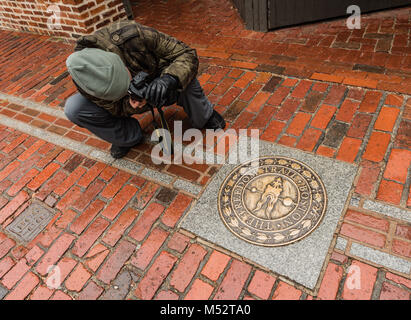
pixel 200 290
pixel 359 126
pixel 70 180
pixel 349 149
pixel 115 184
pixel 391 292
pixel 6 245
pixel 398 164
pixel 41 293
pixel 5 265
pixel 261 284
pixel 273 130
pixel 43 176
pixel 325 151
pixel 377 146
pixel 183 172
pixel 243 120
pixel 69 198
pixel 287 109
pixel 149 248
pixel 398 279
pixel 368 178
pixel 233 282
pixel 278 96
pixel 87 239
pixel 96 256
pixel 64 156
pixel 178 242
pixel 89 195
pixel 92 173
pixel 263 117
pixel 394 100
pixel 13 205
pixel 15 274
pixel 60 295
pixel 301 90
pixel 374 238
pixel 309 139
pixel 166 295
pixel 335 95
pixel 215 265
pixel 91 292
pixel 367 220
pixel 347 110
pixel 390 191
pixel 370 102
pixel 298 124
pixel 339 257
pixel 250 92
pixel 223 86
pixel 107 173
pixel 229 97
pixel 155 276
pixel 33 255
pixel 326 77
pixel 15 143
pixel 359 282
pixel 77 278
pixel 330 283
pixel 118 228
pixel 176 209
pixel 146 220
pixel 20 184
pixel 87 216
pixel 9 169
pixel 401 247
pixel 289 82
pixel 386 119
pixel 119 201
pixel 23 289
pixel 55 252
pixel 259 100
pixel 403 231
pixel 187 267
pixel 33 148
pixel 286 292
pixel 115 262
pixel 245 80
pixel 288 141
pixel 50 185
pixel 323 117
pixel 145 195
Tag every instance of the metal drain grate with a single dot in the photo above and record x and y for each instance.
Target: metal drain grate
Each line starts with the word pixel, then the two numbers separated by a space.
pixel 30 222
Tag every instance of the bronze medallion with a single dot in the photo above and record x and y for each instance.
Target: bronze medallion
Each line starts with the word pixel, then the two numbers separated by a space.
pixel 272 201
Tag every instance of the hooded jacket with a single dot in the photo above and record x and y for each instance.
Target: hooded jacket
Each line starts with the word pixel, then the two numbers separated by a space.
pixel 142 49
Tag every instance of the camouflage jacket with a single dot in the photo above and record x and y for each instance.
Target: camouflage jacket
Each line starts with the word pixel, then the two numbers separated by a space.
pixel 142 49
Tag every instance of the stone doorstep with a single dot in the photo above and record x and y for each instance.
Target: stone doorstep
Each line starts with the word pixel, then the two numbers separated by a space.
pixel 302 261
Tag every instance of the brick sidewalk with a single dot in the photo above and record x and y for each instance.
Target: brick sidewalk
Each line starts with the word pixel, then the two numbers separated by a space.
pixel 115 231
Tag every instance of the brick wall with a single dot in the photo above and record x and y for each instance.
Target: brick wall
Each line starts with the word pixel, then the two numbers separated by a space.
pixel 63 18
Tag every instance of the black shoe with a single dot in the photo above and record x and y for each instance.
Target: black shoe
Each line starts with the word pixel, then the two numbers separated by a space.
pixel 215 122
pixel 119 152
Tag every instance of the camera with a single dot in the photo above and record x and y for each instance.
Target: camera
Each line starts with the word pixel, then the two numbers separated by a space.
pixel 138 86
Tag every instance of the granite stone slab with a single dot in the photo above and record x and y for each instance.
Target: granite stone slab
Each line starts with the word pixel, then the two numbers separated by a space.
pixel 301 261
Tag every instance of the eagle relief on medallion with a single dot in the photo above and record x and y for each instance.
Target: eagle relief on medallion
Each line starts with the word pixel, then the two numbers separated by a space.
pixel 272 201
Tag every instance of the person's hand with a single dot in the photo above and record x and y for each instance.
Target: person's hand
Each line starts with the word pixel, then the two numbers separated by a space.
pixel 159 90
pixel 137 104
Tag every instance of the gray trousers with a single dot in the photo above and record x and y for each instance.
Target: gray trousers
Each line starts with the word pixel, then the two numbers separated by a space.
pixel 126 131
